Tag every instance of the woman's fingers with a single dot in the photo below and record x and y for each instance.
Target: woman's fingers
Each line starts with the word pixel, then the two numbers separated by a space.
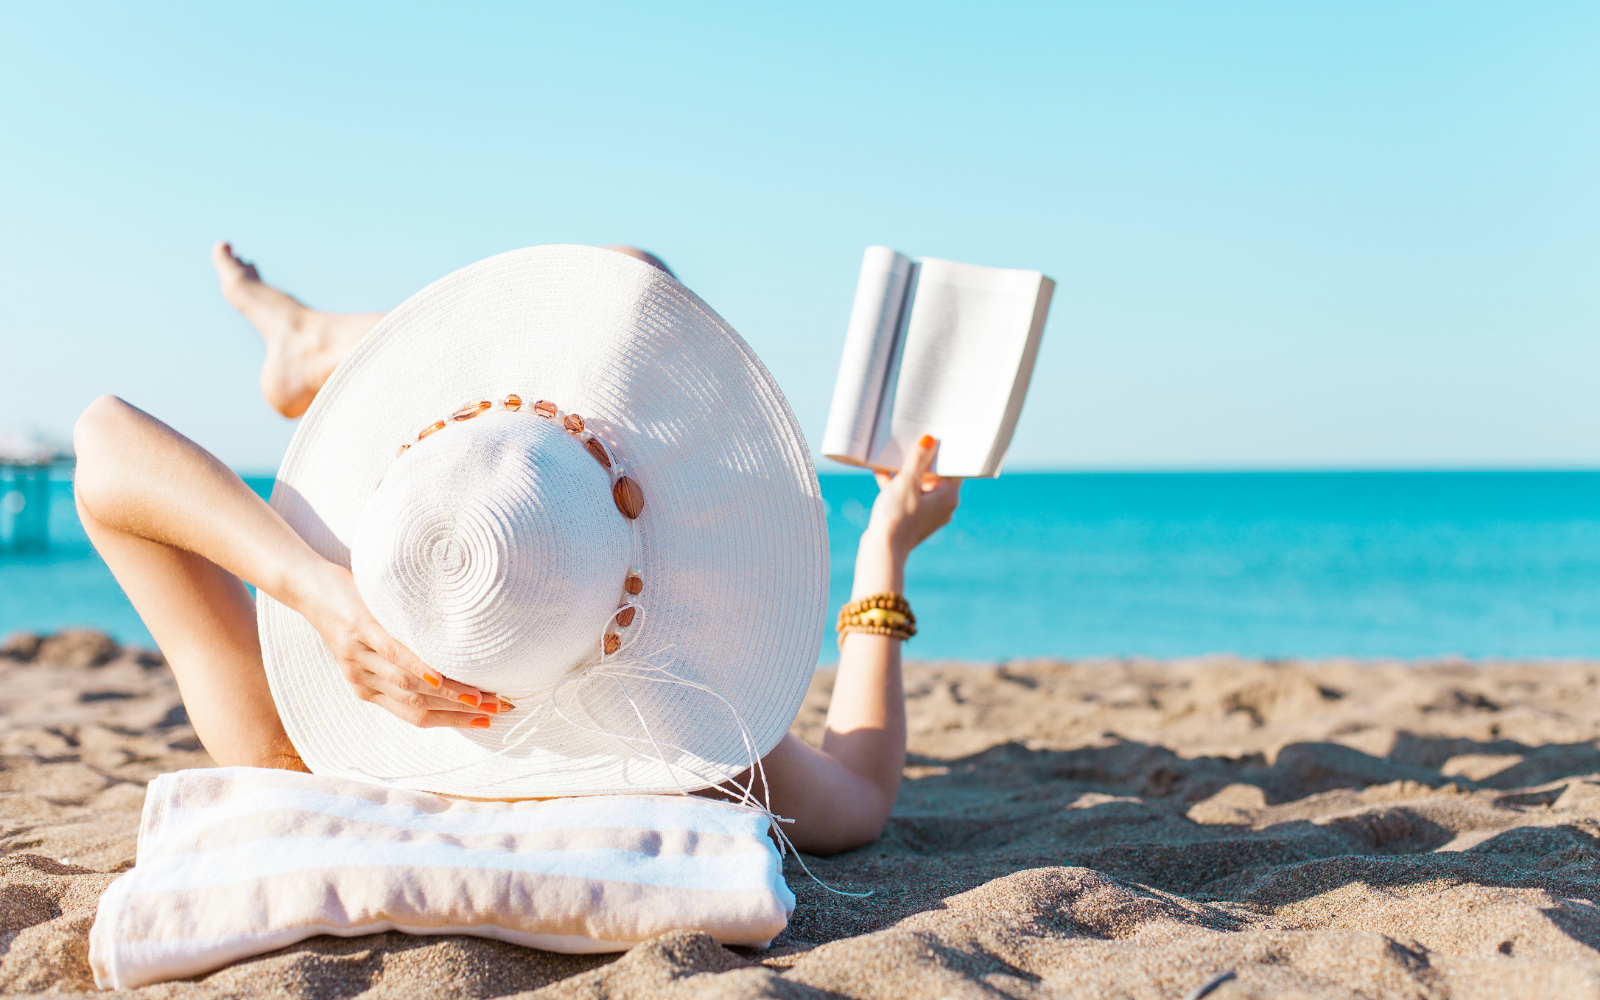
pixel 415 707
pixel 917 476
pixel 945 492
pixel 429 718
pixel 921 458
pixel 914 466
pixel 376 689
pixel 387 646
pixel 382 670
pixel 394 677
pixel 401 685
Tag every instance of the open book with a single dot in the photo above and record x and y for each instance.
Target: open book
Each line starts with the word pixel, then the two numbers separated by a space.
pixel 935 347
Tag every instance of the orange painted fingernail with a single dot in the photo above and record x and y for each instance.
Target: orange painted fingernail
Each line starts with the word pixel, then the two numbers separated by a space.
pixel 431 679
pixel 490 707
pixel 468 699
pixel 479 723
pixel 927 441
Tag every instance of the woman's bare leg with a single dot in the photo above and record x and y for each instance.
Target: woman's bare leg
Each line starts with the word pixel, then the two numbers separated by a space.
pixel 305 345
pixel 205 623
pixel 180 531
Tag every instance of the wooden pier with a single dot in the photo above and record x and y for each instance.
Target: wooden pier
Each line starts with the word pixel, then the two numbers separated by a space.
pixel 25 497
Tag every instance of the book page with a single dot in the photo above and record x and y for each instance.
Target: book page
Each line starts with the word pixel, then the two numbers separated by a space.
pixel 1019 388
pixel 967 336
pixel 869 344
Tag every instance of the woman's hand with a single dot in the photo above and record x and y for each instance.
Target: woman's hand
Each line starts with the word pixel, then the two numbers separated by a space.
pixel 378 667
pixel 913 503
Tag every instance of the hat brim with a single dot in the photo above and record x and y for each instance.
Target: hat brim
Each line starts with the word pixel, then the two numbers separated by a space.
pixel 733 534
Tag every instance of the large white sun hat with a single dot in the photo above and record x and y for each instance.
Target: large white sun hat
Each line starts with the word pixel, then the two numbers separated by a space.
pixel 558 475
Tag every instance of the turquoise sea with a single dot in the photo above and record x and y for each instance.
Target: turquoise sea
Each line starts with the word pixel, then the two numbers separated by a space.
pixel 1368 564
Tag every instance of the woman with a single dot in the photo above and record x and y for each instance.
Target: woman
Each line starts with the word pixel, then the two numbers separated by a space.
pixel 183 535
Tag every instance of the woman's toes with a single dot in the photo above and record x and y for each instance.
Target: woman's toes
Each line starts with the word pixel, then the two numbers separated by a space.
pixel 231 271
pixel 229 266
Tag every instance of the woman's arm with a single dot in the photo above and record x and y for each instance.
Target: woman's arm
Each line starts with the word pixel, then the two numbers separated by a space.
pixel 840 796
pixel 137 477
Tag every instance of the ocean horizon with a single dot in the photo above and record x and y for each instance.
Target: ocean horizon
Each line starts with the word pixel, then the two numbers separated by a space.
pixel 1500 564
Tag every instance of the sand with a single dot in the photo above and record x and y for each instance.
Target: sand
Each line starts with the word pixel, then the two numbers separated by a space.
pixel 1088 829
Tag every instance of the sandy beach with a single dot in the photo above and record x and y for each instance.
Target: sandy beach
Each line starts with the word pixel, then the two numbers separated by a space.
pixel 1085 829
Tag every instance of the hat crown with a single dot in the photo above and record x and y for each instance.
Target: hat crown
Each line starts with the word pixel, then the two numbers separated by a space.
pixel 493 551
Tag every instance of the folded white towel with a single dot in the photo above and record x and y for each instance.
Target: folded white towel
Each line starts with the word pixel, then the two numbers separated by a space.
pixel 237 861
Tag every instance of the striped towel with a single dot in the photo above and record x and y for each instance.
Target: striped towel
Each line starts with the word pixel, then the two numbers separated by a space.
pixel 237 861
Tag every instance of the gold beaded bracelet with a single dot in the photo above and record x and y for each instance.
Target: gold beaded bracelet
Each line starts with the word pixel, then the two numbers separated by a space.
pixel 878 614
pixel 878 602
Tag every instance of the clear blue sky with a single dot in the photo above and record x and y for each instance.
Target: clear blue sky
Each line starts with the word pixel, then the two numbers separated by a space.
pixel 1303 235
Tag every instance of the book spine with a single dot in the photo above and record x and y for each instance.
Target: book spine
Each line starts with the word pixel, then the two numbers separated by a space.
pixel 868 344
pixel 879 453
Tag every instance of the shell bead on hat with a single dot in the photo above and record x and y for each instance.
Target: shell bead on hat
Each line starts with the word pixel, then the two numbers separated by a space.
pixel 625 616
pixel 513 402
pixel 598 450
pixel 634 584
pixel 433 428
pixel 613 642
pixel 573 423
pixel 471 410
pixel 629 498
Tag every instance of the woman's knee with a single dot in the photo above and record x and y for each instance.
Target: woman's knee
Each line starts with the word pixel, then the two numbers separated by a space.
pixel 100 420
pixel 97 438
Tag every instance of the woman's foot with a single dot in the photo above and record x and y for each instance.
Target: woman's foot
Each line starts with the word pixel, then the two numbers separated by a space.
pixel 303 345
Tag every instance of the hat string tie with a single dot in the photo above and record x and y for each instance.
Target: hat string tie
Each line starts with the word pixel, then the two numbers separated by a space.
pixel 643 669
